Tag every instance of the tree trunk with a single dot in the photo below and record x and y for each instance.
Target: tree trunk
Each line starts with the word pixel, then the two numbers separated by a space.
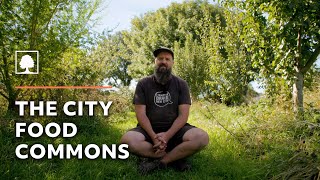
pixel 12 108
pixel 12 94
pixel 297 94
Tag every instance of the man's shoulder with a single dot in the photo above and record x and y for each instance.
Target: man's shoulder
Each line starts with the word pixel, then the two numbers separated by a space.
pixel 145 80
pixel 179 79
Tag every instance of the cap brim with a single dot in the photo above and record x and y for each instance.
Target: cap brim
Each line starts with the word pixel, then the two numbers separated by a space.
pixel 158 51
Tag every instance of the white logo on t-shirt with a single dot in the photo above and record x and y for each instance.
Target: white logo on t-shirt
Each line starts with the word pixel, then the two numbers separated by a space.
pixel 162 99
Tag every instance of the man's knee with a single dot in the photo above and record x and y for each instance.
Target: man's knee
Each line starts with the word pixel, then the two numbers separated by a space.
pixel 203 137
pixel 199 136
pixel 133 139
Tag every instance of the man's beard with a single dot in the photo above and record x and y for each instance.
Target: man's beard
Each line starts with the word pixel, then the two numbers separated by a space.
pixel 162 74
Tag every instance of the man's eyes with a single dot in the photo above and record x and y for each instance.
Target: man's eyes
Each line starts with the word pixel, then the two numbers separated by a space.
pixel 167 59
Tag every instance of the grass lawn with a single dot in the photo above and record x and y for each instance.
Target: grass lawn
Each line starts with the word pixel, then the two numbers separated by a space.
pixel 224 158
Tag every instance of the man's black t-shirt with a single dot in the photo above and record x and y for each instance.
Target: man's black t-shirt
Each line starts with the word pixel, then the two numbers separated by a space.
pixel 162 101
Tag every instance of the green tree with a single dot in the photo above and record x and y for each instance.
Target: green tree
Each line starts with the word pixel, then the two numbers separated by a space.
pixel 180 27
pixel 52 27
pixel 164 27
pixel 115 55
pixel 192 65
pixel 230 63
pixel 284 39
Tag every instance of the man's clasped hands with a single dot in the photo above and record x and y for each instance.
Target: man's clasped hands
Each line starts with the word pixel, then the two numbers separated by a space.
pixel 160 143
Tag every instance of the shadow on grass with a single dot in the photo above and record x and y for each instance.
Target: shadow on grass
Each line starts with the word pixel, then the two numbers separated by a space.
pixel 223 158
pixel 91 130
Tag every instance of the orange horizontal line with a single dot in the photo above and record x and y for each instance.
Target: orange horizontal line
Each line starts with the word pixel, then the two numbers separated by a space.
pixel 63 87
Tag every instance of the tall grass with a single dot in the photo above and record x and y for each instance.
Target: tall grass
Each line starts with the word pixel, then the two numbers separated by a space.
pixel 258 141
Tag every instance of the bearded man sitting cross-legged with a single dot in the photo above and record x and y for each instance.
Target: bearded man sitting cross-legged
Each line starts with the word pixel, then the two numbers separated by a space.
pixel 162 102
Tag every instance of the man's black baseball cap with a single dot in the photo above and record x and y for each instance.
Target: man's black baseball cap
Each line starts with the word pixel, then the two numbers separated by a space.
pixel 163 49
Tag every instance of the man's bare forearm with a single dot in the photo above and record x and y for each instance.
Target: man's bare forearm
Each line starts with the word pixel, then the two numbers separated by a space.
pixel 144 122
pixel 176 126
pixel 180 121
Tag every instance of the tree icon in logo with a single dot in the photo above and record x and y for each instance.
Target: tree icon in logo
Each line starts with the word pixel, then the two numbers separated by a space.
pixel 26 63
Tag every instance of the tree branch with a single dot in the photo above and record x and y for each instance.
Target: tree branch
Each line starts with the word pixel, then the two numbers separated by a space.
pixel 312 59
pixel 5 96
pixel 2 72
pixel 5 68
pixel 51 17
pixel 298 55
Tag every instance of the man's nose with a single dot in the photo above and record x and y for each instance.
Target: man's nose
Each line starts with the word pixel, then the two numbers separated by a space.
pixel 163 61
